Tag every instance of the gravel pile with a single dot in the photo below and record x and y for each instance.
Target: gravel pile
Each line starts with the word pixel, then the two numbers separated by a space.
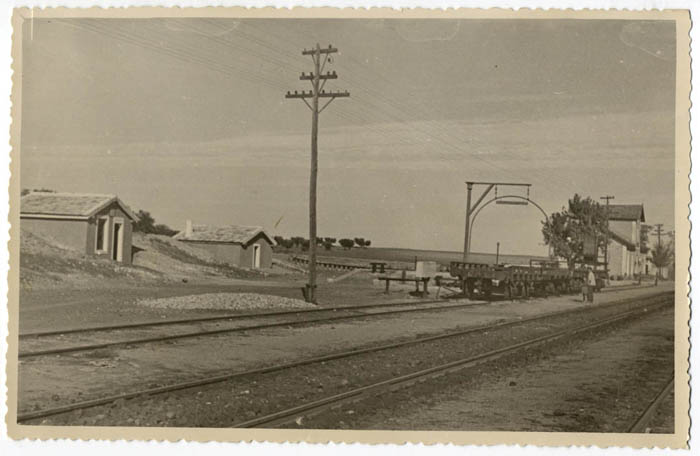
pixel 226 301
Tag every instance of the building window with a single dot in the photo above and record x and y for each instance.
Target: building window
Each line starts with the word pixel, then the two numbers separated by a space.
pixel 101 238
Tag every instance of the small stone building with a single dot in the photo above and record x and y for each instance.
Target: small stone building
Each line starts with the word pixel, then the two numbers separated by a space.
pixel 242 246
pixel 99 225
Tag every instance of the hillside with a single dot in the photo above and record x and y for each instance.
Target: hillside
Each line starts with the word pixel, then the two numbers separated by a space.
pixel 45 263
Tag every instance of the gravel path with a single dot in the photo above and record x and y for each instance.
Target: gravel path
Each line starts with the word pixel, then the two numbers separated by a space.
pixel 226 301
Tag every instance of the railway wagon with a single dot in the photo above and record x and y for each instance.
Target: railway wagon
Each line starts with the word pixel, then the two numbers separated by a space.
pixel 511 281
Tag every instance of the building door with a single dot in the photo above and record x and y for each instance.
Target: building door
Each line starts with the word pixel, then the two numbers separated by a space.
pixel 256 256
pixel 118 240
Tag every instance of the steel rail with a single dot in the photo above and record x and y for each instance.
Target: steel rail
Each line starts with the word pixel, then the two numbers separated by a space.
pixel 241 316
pixel 213 332
pixel 59 332
pixel 640 425
pixel 326 403
pixel 21 417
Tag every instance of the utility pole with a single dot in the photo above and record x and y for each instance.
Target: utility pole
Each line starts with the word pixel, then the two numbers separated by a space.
pixel 659 232
pixel 314 94
pixel 658 237
pixel 607 199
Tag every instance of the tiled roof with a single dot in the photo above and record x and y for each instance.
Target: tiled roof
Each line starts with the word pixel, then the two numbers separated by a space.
pixel 626 212
pixel 234 234
pixel 81 205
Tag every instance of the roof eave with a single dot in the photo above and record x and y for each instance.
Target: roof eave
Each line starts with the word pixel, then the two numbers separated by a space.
pixel 53 216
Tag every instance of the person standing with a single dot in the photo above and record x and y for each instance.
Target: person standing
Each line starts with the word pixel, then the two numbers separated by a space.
pixel 590 284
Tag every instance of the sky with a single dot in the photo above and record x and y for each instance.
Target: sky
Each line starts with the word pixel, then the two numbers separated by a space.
pixel 186 118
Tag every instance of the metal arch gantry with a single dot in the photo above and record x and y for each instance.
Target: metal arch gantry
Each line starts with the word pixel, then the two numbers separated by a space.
pixel 472 209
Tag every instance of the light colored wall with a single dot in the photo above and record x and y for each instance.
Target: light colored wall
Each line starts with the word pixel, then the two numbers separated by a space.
pixel 265 253
pixel 82 234
pixel 236 254
pixel 67 233
pixel 112 212
pixel 616 254
pixel 223 253
pixel 621 261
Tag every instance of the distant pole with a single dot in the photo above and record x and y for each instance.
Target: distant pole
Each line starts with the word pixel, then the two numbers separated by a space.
pixel 658 243
pixel 659 233
pixel 498 249
pixel 317 92
pixel 607 199
pixel 466 225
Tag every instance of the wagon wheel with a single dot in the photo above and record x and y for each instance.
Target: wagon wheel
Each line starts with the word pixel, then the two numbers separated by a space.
pixel 520 289
pixel 509 290
pixel 486 288
pixel 469 288
pixel 550 288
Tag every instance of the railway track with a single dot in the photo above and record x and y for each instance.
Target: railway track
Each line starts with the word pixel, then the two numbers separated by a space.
pixel 318 406
pixel 239 316
pixel 642 423
pixel 647 301
pixel 352 313
pixel 56 346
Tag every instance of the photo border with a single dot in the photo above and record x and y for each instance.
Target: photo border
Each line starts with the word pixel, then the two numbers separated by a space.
pixel 682 227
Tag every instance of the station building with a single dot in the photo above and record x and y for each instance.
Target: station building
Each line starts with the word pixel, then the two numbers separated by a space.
pixel 99 225
pixel 247 247
pixel 625 256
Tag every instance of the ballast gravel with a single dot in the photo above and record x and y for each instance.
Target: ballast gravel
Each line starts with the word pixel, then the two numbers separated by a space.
pixel 226 301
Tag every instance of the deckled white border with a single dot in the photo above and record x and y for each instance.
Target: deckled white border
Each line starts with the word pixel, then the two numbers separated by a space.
pixel 80 448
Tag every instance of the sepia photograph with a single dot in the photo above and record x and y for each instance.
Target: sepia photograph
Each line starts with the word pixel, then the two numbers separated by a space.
pixel 295 222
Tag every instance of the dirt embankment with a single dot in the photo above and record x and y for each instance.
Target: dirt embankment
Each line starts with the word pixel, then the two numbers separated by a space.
pixel 46 264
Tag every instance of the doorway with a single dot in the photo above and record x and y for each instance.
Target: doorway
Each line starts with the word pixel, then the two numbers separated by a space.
pixel 256 256
pixel 118 240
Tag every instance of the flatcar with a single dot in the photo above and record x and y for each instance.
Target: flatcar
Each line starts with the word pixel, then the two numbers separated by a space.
pixel 520 281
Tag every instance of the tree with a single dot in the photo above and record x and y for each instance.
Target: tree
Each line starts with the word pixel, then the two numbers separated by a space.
pixel 147 225
pixel 346 243
pixel 360 242
pixel 329 240
pixel 26 191
pixel 661 257
pixel 368 243
pixel 279 240
pixel 305 243
pixel 566 231
pixel 327 245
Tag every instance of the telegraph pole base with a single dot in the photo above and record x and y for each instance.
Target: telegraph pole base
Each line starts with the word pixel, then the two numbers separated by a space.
pixel 309 293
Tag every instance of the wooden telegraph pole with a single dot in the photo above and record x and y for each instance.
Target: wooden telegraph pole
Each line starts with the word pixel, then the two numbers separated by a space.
pixel 659 232
pixel 314 94
pixel 607 199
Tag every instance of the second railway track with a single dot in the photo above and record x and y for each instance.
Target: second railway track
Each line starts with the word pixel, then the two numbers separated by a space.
pixel 55 341
pixel 58 341
pixel 625 305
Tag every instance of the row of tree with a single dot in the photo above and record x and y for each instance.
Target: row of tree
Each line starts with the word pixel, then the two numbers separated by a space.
pixel 328 243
